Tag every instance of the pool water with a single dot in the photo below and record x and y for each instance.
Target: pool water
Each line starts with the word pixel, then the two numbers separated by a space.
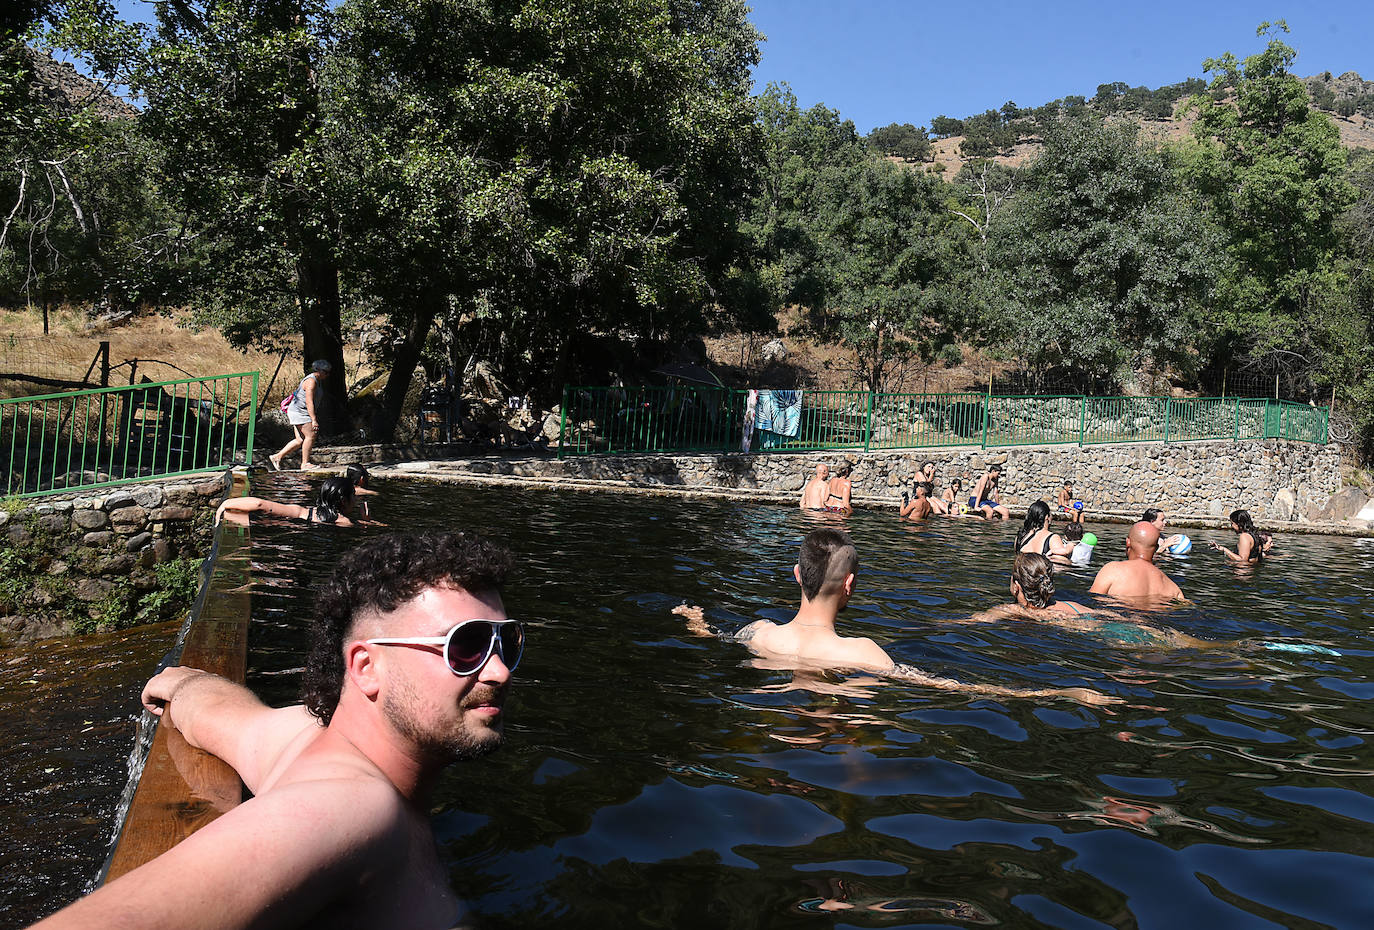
pixel 656 779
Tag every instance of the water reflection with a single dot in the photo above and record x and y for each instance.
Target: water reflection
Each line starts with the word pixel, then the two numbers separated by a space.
pixel 652 778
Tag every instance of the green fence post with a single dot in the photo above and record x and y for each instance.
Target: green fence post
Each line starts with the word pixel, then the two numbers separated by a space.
pixel 1326 425
pixel 1236 437
pixel 1168 407
pixel 252 418
pixel 868 422
pixel 987 412
pixel 562 421
pixel 1082 419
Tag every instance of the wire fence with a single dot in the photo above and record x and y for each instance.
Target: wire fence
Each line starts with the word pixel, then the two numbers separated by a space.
pixel 53 443
pixel 704 419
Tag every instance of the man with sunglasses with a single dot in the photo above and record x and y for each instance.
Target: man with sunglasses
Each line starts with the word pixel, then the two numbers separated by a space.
pixel 410 660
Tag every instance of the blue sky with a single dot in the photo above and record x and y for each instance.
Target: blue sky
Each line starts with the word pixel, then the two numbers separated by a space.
pixel 886 61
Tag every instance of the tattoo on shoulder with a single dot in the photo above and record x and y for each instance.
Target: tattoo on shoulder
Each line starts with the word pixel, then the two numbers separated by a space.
pixel 747 633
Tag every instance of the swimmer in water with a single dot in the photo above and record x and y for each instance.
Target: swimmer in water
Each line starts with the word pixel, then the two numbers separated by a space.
pixel 826 572
pixel 1156 516
pixel 839 490
pixel 1136 578
pixel 1036 536
pixel 1032 586
pixel 921 507
pixel 815 491
pixel 1249 545
pixel 359 477
pixel 334 505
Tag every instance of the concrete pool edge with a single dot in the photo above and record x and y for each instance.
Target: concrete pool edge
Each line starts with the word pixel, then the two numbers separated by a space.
pixel 452 473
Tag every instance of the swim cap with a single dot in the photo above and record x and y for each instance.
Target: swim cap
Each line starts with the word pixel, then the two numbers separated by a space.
pixel 1089 539
pixel 1183 546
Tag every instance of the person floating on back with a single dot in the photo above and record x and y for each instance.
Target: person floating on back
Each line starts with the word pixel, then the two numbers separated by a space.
pixel 1136 578
pixel 826 572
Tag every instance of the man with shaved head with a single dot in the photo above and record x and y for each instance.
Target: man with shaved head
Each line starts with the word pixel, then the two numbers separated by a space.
pixel 826 572
pixel 1136 578
pixel 817 489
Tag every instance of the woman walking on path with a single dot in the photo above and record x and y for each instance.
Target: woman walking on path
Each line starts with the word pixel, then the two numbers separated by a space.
pixel 300 413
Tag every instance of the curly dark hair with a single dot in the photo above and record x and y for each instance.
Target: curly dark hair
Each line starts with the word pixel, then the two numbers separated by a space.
pixel 381 575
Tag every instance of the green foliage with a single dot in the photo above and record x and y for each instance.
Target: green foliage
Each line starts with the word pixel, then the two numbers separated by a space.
pixel 902 141
pixel 178 582
pixel 1099 261
pixel 111 612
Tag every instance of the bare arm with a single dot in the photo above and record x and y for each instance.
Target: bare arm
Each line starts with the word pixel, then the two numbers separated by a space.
pixel 991 615
pixel 310 399
pixel 255 504
pixel 1081 695
pixel 277 860
pixel 226 720
pixel 1060 546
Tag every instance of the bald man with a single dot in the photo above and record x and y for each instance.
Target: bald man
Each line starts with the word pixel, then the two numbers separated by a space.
pixel 817 489
pixel 1136 578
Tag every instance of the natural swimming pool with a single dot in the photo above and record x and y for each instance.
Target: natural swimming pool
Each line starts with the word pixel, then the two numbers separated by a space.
pixel 653 778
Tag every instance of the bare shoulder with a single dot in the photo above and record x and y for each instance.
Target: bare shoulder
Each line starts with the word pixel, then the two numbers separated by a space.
pixel 759 629
pixel 865 652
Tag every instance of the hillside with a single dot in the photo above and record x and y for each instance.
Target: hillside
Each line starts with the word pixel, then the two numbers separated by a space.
pixel 1347 99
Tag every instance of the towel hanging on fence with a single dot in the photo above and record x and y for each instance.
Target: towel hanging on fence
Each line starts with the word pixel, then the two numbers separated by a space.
pixel 750 407
pixel 787 418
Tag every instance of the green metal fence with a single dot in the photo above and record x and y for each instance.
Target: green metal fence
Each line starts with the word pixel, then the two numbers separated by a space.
pixel 91 439
pixel 700 419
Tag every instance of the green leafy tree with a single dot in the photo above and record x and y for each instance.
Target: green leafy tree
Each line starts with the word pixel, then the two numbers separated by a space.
pixel 903 141
pixel 1271 170
pixel 1099 261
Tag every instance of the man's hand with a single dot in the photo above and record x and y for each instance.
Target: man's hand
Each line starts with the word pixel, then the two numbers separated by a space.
pixel 1088 696
pixel 157 693
pixel 696 619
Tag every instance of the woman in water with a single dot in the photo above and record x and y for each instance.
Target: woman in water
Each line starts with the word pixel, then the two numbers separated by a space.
pixel 951 497
pixel 357 475
pixel 336 500
pixel 1032 585
pixel 839 490
pixel 1036 536
pixel 1249 544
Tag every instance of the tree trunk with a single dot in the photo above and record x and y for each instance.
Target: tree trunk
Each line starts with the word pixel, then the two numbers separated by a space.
pixel 318 290
pixel 403 369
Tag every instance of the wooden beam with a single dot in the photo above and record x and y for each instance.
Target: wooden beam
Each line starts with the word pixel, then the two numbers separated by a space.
pixel 182 788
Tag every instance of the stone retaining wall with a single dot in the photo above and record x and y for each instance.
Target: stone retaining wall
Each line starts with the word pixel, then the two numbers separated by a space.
pixel 103 558
pixel 1275 480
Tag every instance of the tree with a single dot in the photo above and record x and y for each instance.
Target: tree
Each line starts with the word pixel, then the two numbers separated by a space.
pixel 902 141
pixel 545 179
pixel 885 235
pixel 1099 261
pixel 944 127
pixel 1271 172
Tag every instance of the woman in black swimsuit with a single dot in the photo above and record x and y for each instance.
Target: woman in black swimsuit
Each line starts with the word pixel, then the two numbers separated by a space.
pixel 1249 546
pixel 1035 535
pixel 336 500
pixel 839 490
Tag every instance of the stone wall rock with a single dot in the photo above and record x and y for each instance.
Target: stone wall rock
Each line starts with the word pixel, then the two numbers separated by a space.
pixel 87 555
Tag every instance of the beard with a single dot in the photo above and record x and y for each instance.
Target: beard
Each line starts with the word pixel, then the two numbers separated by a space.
pixel 450 741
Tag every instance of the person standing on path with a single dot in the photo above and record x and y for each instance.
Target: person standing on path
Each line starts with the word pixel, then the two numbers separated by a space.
pixel 301 414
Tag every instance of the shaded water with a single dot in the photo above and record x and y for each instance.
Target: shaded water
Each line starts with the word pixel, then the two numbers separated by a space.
pixel 651 778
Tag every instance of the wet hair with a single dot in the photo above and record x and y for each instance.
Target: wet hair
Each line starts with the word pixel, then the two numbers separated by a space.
pixel 356 475
pixel 996 468
pixel 926 486
pixel 1036 515
pixel 1150 515
pixel 844 470
pixel 1068 482
pixel 322 366
pixel 1074 532
pixel 335 494
pixel 924 464
pixel 1241 518
pixel 956 483
pixel 827 556
pixel 1035 574
pixel 378 577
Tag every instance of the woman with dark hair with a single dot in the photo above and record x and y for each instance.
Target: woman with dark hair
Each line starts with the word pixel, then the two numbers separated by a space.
pixel 335 501
pixel 1035 534
pixel 951 497
pixel 1032 585
pixel 838 499
pixel 357 476
pixel 1249 544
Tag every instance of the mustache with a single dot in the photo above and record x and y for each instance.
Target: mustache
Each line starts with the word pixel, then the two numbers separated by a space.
pixel 486 694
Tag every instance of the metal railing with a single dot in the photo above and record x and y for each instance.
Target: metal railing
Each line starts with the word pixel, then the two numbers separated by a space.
pixel 90 439
pixel 705 419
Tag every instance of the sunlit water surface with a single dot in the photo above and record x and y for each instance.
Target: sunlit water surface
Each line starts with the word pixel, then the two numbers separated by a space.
pixel 651 778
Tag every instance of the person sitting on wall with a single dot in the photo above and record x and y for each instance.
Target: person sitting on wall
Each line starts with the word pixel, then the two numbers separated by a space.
pixel 927 477
pixel 826 571
pixel 984 496
pixel 1069 507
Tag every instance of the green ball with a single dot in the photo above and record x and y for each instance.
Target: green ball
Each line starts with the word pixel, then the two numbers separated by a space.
pixel 1089 539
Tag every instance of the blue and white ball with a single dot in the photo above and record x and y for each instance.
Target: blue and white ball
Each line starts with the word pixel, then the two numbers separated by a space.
pixel 1182 546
